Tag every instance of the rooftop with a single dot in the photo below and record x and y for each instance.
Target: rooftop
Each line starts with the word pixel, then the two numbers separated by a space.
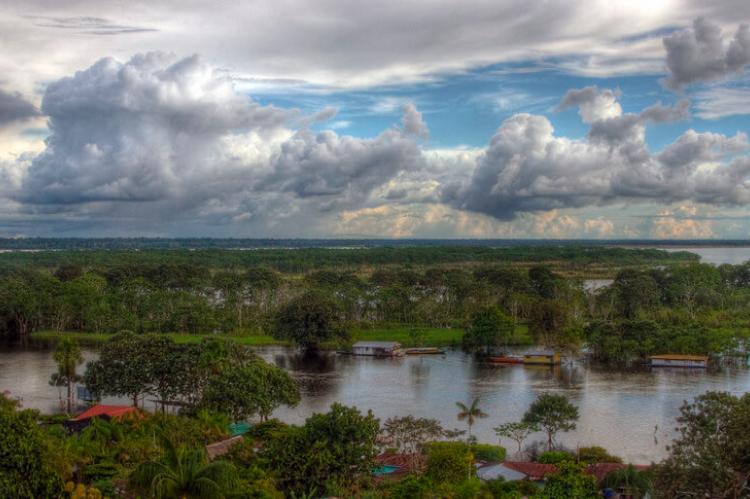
pixel 377 344
pixel 111 411
pixel 676 356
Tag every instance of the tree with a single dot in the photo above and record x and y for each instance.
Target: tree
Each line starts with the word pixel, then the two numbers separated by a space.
pixel 449 462
pixel 24 469
pixel 633 483
pixel 120 370
pixel 547 322
pixel 489 328
pixel 552 413
pixel 516 431
pixel 635 291
pixel 543 282
pixel 255 388
pixel 570 481
pixel 408 434
pixel 186 474
pixel 68 357
pixel 710 455
pixel 470 413
pixel 308 321
pixel 331 448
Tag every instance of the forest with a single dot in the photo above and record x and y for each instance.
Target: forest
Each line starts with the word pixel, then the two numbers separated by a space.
pixel 657 301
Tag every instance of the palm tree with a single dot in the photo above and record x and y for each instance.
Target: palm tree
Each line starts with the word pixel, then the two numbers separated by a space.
pixel 68 357
pixel 184 473
pixel 470 414
pixel 633 482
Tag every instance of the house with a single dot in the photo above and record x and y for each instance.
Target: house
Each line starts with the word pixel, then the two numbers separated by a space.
pixel 378 348
pixel 677 360
pixel 544 358
pixel 116 412
pixel 493 471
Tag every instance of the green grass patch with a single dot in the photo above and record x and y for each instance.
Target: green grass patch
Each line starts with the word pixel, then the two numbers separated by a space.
pixel 432 337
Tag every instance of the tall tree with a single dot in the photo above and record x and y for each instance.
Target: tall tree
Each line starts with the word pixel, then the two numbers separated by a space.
pixel 489 328
pixel 470 413
pixel 709 458
pixel 255 388
pixel 308 321
pixel 68 357
pixel 516 431
pixel 552 413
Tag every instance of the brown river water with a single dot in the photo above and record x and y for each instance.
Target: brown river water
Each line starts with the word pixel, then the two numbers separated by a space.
pixel 631 413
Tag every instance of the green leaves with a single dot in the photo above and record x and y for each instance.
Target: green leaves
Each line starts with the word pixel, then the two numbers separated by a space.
pixel 331 448
pixel 255 388
pixel 489 328
pixel 308 321
pixel 553 413
pixel 24 472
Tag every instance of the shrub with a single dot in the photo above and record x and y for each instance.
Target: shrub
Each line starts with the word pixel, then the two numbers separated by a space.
pixel 555 457
pixel 596 454
pixel 450 462
pixel 267 429
pixel 488 452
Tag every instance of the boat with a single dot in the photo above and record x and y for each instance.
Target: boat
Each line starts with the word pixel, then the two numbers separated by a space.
pixel 507 359
pixel 424 351
pixel 377 349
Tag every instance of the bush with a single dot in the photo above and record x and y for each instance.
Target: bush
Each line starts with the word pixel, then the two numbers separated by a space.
pixel 501 489
pixel 267 429
pixel 596 454
pixel 488 452
pixel 555 457
pixel 450 462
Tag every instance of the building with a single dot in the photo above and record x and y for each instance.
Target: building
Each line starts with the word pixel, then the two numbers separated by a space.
pixel 676 360
pixel 116 412
pixel 378 348
pixel 544 358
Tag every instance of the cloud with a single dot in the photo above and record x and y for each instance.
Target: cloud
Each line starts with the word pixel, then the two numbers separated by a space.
pixel 88 25
pixel 718 102
pixel 162 140
pixel 413 123
pixel 527 168
pixel 593 104
pixel 13 107
pixel 702 53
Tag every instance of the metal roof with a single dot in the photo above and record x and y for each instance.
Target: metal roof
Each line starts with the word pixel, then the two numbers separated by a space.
pixel 495 471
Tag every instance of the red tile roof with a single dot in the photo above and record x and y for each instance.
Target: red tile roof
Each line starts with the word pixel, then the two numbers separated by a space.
pixel 600 470
pixel 111 411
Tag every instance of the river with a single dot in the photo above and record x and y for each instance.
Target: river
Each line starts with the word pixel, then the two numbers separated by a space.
pixel 631 413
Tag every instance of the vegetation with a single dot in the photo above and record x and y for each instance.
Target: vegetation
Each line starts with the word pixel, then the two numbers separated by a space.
pixel 710 456
pixel 570 481
pixel 470 413
pixel 68 357
pixel 25 472
pixel 552 413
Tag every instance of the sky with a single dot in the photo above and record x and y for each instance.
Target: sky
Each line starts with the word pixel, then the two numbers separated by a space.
pixel 396 119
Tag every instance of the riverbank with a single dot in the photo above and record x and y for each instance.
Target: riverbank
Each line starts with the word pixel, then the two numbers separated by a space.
pixel 431 337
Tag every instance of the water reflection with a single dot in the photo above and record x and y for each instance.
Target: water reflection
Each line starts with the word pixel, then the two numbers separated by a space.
pixel 631 412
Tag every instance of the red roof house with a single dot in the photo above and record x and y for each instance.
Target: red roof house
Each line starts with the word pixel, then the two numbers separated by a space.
pixel 108 411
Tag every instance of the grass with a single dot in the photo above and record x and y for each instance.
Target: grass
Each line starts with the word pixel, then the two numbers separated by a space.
pixel 431 337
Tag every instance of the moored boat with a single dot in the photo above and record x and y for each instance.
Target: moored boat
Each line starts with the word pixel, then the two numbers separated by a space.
pixel 424 351
pixel 507 359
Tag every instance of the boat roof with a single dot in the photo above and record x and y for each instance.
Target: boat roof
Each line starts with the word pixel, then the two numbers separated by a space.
pixel 676 356
pixel 377 344
pixel 541 352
